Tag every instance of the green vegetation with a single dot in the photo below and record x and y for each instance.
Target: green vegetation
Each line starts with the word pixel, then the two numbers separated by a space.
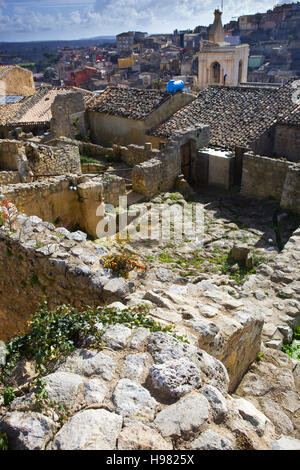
pixel 293 349
pixel 259 357
pixel 55 333
pixel 8 396
pixel 3 442
pixel 86 159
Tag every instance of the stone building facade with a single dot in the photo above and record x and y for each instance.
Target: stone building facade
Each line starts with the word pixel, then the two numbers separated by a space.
pixel 219 62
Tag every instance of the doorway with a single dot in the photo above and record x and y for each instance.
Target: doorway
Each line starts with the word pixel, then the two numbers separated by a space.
pixel 186 160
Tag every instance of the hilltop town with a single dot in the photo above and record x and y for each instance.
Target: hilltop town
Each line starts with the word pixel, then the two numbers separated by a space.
pixel 142 60
pixel 150 243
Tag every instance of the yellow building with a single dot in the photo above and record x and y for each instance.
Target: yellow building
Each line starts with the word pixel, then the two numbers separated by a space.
pixel 127 61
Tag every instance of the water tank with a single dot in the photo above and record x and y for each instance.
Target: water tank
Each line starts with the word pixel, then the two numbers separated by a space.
pixel 175 85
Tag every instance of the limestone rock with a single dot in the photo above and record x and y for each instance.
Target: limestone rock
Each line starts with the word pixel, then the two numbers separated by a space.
pixel 214 371
pixel 164 275
pixel 217 402
pixel 87 363
pixel 117 336
pixel 65 388
pixel 251 414
pixel 138 436
pixel 135 366
pixel 175 378
pixel 164 347
pixel 210 440
pixel 131 399
pixel 116 288
pixel 286 443
pixel 89 430
pixel 27 430
pixel 138 337
pixel 187 416
pixel 3 352
pixel 95 391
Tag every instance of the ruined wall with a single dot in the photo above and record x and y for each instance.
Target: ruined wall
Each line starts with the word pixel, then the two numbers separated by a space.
pixel 158 174
pixel 9 177
pixel 54 199
pixel 31 159
pixel 263 177
pixel 131 154
pixel 267 177
pixel 287 142
pixel 45 160
pixel 291 190
pixel 18 82
pixel 68 115
pixel 39 260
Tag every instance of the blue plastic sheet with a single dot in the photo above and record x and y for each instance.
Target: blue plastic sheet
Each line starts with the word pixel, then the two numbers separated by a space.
pixel 175 85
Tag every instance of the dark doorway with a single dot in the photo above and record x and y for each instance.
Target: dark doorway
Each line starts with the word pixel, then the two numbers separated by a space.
pixel 216 72
pixel 186 160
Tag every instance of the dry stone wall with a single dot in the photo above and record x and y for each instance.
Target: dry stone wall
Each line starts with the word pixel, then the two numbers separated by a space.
pixel 265 177
pixel 39 260
pixel 9 177
pixel 70 199
pixel 31 159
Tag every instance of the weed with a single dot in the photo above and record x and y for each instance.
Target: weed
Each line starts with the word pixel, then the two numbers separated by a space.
pixel 121 264
pixel 55 333
pixel 8 396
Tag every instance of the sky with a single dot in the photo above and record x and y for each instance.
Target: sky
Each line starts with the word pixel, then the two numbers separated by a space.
pixel 36 20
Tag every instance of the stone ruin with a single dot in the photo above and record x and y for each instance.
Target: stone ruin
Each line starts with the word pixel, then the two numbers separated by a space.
pixel 229 386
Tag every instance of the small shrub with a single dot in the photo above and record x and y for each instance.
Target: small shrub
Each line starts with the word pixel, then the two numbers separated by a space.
pixel 8 396
pixel 121 264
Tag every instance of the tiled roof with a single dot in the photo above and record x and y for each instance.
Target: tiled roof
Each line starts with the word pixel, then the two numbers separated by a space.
pixel 131 103
pixel 35 108
pixel 237 115
pixel 293 119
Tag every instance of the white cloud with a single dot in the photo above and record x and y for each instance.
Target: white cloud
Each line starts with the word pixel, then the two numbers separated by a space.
pixel 113 16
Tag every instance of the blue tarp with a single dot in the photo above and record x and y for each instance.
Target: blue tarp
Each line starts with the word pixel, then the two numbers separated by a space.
pixel 175 85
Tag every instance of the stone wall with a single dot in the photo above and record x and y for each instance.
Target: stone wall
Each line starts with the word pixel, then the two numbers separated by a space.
pixel 68 115
pixel 131 155
pixel 263 177
pixel 160 173
pixel 70 200
pixel 291 190
pixel 9 177
pixel 287 142
pixel 267 177
pixel 46 160
pixel 39 260
pixel 30 159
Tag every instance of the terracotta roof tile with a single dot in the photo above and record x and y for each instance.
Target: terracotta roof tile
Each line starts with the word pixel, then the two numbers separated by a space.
pixel 35 108
pixel 131 103
pixel 237 115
